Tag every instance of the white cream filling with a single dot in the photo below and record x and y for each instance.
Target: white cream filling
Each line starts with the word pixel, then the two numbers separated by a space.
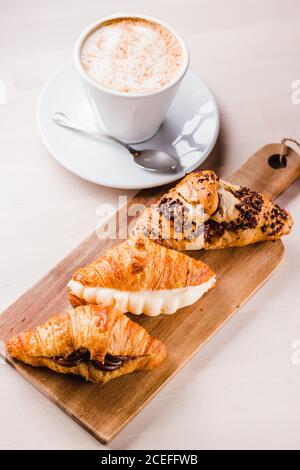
pixel 149 302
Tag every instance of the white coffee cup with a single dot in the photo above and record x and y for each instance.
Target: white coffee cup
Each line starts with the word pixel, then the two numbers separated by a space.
pixel 131 117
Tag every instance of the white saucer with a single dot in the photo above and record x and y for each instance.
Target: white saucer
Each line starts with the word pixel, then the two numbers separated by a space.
pixel 190 129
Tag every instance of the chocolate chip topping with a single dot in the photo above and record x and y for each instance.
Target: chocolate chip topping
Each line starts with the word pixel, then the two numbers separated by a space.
pixel 275 222
pixel 176 212
pixel 172 209
pixel 211 176
pixel 249 208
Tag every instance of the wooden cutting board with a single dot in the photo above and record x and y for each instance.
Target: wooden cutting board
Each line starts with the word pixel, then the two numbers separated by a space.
pixel 104 409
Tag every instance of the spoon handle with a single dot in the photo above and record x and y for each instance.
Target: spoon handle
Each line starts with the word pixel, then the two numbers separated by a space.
pixel 62 120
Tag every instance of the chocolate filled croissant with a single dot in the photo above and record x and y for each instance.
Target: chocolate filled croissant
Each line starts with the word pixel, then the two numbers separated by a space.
pixel 205 212
pixel 140 276
pixel 98 343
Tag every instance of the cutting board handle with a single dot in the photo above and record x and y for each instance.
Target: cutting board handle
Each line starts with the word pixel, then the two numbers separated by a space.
pixel 257 173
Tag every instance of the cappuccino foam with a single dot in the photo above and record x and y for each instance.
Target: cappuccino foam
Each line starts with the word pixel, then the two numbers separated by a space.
pixel 132 55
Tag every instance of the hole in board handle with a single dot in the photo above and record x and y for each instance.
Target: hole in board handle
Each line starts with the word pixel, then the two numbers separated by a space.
pixel 277 161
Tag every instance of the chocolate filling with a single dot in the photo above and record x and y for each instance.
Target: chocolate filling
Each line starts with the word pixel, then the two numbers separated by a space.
pixel 249 208
pixel 83 357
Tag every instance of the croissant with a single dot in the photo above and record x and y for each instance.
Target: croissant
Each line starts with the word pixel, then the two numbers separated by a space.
pixel 140 276
pixel 98 343
pixel 205 212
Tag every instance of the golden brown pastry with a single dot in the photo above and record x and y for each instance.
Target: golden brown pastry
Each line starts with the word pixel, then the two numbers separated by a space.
pixel 177 219
pixel 244 217
pixel 140 276
pixel 99 343
pixel 205 212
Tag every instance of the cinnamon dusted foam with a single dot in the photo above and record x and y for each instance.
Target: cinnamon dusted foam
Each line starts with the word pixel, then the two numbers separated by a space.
pixel 132 55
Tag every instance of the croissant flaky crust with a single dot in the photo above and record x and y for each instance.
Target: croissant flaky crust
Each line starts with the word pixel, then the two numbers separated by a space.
pixel 244 216
pixel 95 342
pixel 141 264
pixel 216 214
pixel 177 219
pixel 140 276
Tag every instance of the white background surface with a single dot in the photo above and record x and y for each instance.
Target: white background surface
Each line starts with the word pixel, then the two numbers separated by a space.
pixel 241 390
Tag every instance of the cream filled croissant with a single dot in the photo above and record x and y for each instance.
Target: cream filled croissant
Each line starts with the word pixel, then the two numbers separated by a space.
pixel 140 276
pixel 205 212
pixel 99 343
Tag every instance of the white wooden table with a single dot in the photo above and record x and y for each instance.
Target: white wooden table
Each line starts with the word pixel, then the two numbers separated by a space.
pixel 242 389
